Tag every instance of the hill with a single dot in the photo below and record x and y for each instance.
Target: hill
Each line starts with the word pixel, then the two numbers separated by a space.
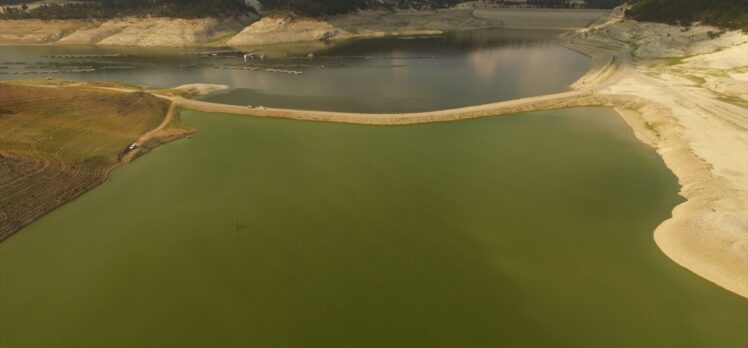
pixel 731 14
pixel 57 142
pixel 105 9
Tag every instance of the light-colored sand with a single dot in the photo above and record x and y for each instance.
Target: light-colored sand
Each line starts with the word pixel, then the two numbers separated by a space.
pixel 706 145
pixel 566 99
pixel 701 134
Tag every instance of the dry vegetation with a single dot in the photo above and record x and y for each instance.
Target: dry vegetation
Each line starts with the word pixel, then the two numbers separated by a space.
pixel 57 143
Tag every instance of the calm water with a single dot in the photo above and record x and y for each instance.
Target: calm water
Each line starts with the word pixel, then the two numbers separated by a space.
pixel 388 75
pixel 526 230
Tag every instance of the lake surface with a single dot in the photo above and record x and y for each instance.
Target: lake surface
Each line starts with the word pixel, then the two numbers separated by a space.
pixel 525 230
pixel 386 75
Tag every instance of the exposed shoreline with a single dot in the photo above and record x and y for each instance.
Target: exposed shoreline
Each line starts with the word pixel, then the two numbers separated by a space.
pixel 257 33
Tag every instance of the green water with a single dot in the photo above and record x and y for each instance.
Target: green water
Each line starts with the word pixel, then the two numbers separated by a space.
pixel 517 231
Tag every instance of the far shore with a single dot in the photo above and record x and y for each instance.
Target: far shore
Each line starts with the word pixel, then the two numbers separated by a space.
pixel 251 32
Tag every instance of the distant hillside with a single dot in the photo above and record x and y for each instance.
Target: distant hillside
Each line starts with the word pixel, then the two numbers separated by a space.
pixel 732 14
pixel 79 9
pixel 332 7
pixel 102 9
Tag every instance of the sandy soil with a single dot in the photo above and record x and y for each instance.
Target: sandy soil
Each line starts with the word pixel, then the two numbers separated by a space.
pixel 702 134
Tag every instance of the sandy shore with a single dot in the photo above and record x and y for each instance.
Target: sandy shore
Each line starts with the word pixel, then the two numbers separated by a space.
pixel 692 110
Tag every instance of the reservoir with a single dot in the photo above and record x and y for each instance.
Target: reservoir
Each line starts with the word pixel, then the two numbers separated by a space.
pixel 523 230
pixel 383 75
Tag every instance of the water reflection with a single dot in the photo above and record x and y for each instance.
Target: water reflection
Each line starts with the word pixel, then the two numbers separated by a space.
pixel 381 75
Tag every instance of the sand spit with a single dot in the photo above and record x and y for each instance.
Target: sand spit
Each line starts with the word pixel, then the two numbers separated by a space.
pixel 668 99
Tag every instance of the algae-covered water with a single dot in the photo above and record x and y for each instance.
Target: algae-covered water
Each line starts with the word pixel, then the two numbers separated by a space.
pixel 531 230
